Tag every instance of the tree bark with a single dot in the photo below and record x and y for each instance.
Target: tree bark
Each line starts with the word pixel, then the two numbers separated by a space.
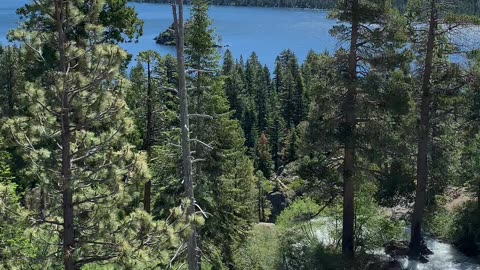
pixel 416 239
pixel 478 194
pixel 259 203
pixel 10 83
pixel 349 143
pixel 147 144
pixel 192 249
pixel 68 223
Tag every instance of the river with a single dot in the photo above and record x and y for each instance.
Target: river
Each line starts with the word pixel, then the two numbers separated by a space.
pixel 445 256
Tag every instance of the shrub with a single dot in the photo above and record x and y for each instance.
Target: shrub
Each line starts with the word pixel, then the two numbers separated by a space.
pixel 261 250
pixel 466 229
pixel 439 221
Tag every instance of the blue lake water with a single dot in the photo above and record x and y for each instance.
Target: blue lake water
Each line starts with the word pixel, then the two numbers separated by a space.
pixel 267 31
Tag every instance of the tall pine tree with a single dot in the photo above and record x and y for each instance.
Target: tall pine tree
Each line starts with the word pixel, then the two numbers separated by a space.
pixel 73 137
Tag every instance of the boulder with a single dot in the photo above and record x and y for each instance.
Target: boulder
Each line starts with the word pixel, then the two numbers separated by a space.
pixel 396 249
pixel 279 203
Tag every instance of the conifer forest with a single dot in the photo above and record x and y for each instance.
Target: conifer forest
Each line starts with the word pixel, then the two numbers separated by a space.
pixel 364 158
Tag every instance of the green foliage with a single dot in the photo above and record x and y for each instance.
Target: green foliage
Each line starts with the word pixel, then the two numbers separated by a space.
pixel 263 157
pixel 440 221
pixel 466 229
pixel 164 103
pixel 298 236
pixel 471 165
pixel 16 248
pixel 322 181
pixel 200 38
pixel 302 210
pixel 103 169
pixel 289 129
pixel 11 79
pixel 264 187
pixel 291 89
pixel 120 21
pixel 260 250
pixel 373 228
pixel 460 225
pixel 234 90
pixel 225 181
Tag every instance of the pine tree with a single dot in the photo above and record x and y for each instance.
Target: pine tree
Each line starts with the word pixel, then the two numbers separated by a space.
pixel 73 136
pixel 264 187
pixel 350 13
pixel 257 90
pixel 151 59
pixel 472 119
pixel 276 128
pixel 431 51
pixel 11 79
pixel 263 157
pixel 471 163
pixel 224 181
pixel 367 28
pixel 155 120
pixel 228 66
pixel 249 124
pixel 201 53
pixel 234 86
pixel 290 87
pixel 277 74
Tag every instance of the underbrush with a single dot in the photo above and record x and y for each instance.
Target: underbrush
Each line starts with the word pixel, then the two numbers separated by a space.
pixel 461 226
pixel 305 238
pixel 466 229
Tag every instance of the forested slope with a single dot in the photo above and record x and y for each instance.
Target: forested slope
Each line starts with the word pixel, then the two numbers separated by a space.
pixel 184 163
pixel 466 6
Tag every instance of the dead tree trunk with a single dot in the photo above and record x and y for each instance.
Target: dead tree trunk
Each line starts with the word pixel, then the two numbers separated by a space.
pixel 192 248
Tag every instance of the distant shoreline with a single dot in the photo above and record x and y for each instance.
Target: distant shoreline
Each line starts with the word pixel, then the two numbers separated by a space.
pixel 237 6
pixel 463 8
pixel 315 5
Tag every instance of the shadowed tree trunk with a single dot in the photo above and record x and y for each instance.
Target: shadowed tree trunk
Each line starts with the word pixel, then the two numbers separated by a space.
pixel 478 194
pixel 349 137
pixel 67 187
pixel 147 144
pixel 423 137
pixel 10 83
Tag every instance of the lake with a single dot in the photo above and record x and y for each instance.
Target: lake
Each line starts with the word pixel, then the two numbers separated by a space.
pixel 267 31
